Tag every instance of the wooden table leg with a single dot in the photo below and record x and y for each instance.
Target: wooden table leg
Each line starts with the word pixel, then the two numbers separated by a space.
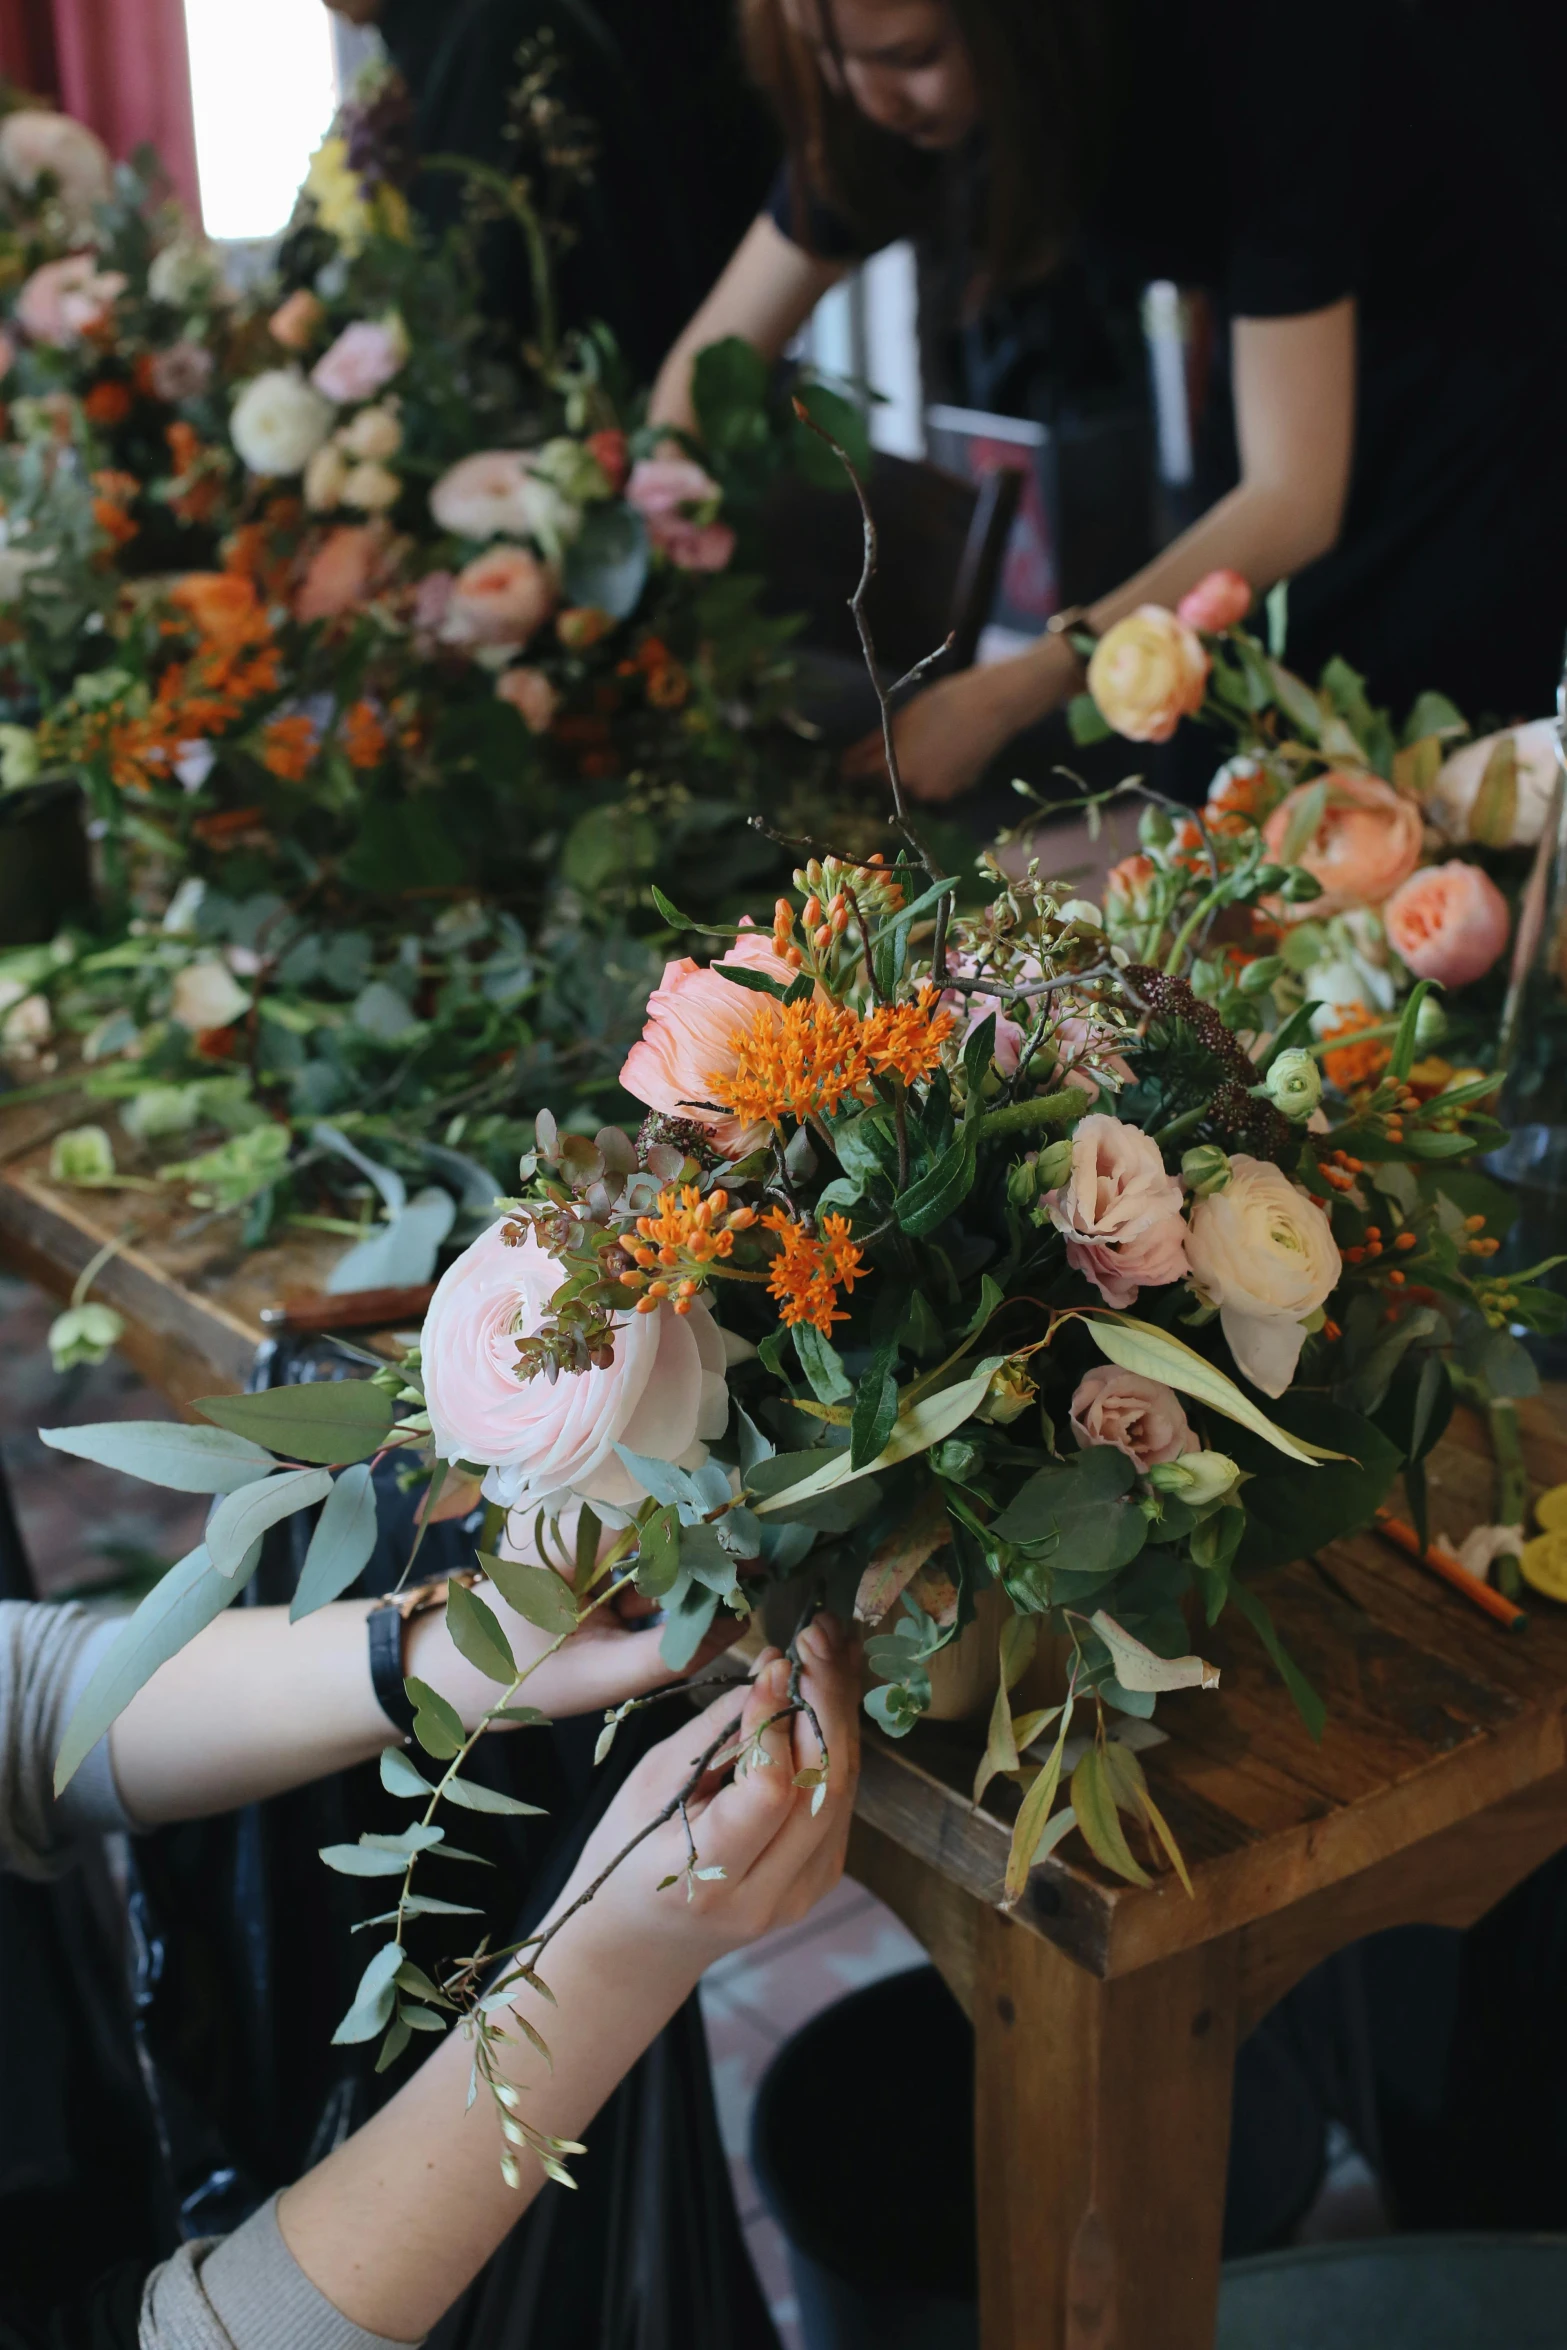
pixel 1102 2117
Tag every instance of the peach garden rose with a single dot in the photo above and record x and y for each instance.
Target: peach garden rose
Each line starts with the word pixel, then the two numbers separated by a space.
pixel 500 598
pixel 1120 1211
pixel 1448 923
pixel 1147 673
pixel 1263 1252
pixel 1366 842
pixel 546 1443
pixel 1221 599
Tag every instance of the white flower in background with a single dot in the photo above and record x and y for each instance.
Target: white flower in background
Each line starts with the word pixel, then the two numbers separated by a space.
pixel 375 433
pixel 25 1020
pixel 279 422
pixel 18 757
pixel 371 488
pixel 193 763
pixel 324 478
pixel 35 140
pixel 185 273
pixel 1263 1252
pixel 207 995
pixel 1459 808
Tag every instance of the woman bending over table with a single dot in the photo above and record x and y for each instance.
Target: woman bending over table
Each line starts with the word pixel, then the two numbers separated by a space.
pixel 1364 186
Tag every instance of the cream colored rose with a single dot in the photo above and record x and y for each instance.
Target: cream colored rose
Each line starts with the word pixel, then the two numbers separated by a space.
pixel 1263 1252
pixel 35 140
pixel 1148 672
pixel 279 422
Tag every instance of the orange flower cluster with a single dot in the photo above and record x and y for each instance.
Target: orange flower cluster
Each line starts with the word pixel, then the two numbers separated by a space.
pixel 665 680
pixel 1355 1064
pixel 288 747
pixel 107 403
pixel 258 551
pixel 811 1268
pixel 198 472
pixel 363 737
pixel 798 1059
pixel 111 502
pixel 688 1235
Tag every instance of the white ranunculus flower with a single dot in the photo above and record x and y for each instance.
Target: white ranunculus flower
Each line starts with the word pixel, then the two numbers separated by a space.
pixel 207 995
pixel 185 273
pixel 279 422
pixel 1263 1252
pixel 1457 787
pixel 35 140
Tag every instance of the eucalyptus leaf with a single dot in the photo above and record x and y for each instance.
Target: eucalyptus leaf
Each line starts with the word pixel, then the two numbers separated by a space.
pixel 330 1420
pixel 341 1546
pixel 186 1459
pixel 1139 1669
pixel 241 1519
pixel 536 1593
pixel 399 1777
pixel 476 1634
pixel 469 1795
pixel 922 1425
pixel 401 1254
pixel 373 2000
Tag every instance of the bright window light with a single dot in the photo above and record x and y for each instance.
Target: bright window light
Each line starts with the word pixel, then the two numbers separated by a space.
pixel 263 91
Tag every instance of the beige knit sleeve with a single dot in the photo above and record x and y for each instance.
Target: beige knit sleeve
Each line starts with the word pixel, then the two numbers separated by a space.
pixel 245 2292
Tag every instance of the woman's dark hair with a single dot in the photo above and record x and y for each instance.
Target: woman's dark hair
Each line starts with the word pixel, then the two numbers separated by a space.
pixel 1045 71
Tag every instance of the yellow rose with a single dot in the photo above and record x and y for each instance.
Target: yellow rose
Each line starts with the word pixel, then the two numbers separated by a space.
pixel 1148 672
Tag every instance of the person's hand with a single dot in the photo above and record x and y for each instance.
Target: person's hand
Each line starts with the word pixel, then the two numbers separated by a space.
pixel 947 736
pixel 663 1916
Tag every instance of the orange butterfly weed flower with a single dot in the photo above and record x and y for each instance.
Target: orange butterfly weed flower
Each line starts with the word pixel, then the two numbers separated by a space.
pixel 114 492
pixel 810 1269
pixel 688 1234
pixel 363 737
pixel 288 747
pixel 1355 1064
pixel 905 1040
pixel 797 1059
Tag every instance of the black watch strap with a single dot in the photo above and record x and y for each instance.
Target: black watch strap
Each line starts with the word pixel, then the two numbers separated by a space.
pixel 385 1625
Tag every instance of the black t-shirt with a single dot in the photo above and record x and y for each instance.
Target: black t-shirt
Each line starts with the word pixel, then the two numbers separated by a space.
pixel 1284 154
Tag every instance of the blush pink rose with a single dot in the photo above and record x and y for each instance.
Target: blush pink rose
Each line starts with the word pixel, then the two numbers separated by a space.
pixel 1140 1417
pixel 1367 842
pixel 293 323
pixel 1449 923
pixel 65 300
pixel 342 573
pixel 500 598
pixel 531 695
pixel 1147 673
pixel 1221 600
pixel 547 1442
pixel 365 356
pixel 1120 1211
pixel 694 1017
pixel 488 495
pixel 664 490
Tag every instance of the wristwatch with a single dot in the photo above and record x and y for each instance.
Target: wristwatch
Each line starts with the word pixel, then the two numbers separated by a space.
pixel 386 1628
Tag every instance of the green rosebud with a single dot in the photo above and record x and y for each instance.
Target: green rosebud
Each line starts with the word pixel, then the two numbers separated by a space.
pixel 1009 1394
pixel 84 1334
pixel 1054 1164
pixel 1197 1478
pixel 1156 828
pixel 1258 977
pixel 84 1155
pixel 1022 1182
pixel 1431 1023
pixel 1205 1169
pixel 1268 878
pixel 1300 887
pixel 1294 1084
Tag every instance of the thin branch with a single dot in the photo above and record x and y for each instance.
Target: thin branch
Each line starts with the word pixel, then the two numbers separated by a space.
pixel 877 991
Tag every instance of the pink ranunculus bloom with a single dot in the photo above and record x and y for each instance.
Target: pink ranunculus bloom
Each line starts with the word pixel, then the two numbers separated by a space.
pixel 1367 842
pixel 1120 1211
pixel 1140 1417
pixel 531 695
pixel 694 1020
pixel 1448 923
pixel 64 300
pixel 546 1442
pixel 343 572
pixel 487 495
pixel 180 372
pixel 294 321
pixel 695 546
pixel 664 491
pixel 365 356
pixel 1221 600
pixel 500 598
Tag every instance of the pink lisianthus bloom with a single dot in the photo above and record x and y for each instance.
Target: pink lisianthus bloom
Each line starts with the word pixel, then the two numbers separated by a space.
pixel 1366 842
pixel 1220 600
pixel 500 598
pixel 1120 1211
pixel 35 140
pixel 694 1019
pixel 548 1442
pixel 64 300
pixel 531 695
pixel 1140 1417
pixel 1449 923
pixel 293 323
pixel 343 572
pixel 663 490
pixel 365 356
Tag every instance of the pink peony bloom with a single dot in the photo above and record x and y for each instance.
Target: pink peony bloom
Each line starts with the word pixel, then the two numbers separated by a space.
pixel 531 695
pixel 1140 1417
pixel 546 1442
pixel 294 321
pixel 1120 1211
pixel 694 1017
pixel 365 356
pixel 1367 842
pixel 500 598
pixel 343 572
pixel 662 490
pixel 1448 923
pixel 1221 600
pixel 65 300
pixel 180 372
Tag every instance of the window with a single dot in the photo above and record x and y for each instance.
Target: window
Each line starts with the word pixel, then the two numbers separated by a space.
pixel 263 89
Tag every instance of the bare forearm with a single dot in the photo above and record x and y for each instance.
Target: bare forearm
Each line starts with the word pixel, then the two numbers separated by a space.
pixel 768 290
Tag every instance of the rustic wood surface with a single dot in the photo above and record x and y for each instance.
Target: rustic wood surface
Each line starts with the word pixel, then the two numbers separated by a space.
pixel 1106 2016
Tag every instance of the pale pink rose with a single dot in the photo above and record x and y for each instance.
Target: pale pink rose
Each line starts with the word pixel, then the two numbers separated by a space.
pixel 1147 673
pixel 545 1441
pixel 488 495
pixel 1448 923
pixel 1221 600
pixel 1120 1211
pixel 531 695
pixel 1140 1417
pixel 1263 1252
pixel 65 300
pixel 35 140
pixel 664 490
pixel 342 573
pixel 180 372
pixel 365 356
pixel 1367 842
pixel 694 1019
pixel 500 598
pixel 294 321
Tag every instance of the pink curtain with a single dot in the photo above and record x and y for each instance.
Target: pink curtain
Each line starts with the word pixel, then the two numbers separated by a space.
pixel 120 66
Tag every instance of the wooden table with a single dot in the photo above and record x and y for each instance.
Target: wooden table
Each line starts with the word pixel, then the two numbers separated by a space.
pixel 1106 2017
